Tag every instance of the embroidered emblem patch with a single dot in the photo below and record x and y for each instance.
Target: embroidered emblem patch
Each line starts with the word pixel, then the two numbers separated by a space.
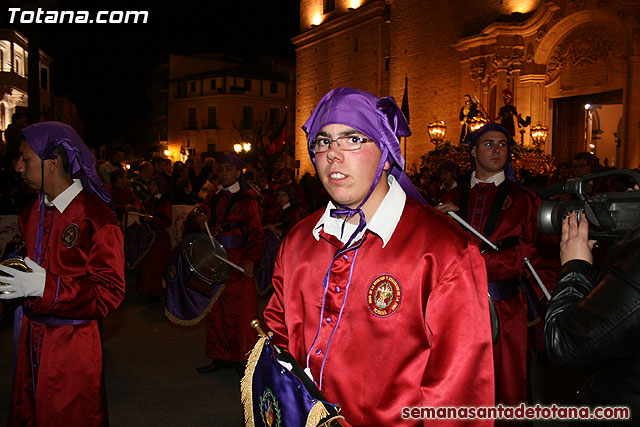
pixel 269 409
pixel 507 203
pixel 384 295
pixel 70 235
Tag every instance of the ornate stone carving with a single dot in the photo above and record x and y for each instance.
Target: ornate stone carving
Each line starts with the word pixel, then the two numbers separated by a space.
pixel 584 47
pixel 508 58
pixel 477 70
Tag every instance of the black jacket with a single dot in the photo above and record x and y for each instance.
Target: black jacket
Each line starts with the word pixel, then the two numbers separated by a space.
pixel 597 327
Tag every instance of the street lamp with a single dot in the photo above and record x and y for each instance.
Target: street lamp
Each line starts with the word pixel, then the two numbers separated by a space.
pixel 240 148
pixel 437 130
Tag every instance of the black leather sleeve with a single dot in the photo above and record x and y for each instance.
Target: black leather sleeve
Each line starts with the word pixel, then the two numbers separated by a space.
pixel 591 326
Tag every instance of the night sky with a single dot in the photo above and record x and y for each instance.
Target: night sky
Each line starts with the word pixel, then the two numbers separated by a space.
pixel 104 68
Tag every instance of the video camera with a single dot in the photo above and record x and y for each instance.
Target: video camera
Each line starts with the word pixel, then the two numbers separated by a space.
pixel 610 215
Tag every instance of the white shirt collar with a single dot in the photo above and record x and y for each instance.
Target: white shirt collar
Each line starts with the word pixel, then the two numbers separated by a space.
pixel 233 188
pixel 383 222
pixel 496 179
pixel 65 198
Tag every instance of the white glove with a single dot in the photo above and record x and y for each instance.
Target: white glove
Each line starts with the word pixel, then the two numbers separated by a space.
pixel 21 283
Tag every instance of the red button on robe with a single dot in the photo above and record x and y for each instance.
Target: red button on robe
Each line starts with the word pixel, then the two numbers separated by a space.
pixel 85 280
pixel 432 349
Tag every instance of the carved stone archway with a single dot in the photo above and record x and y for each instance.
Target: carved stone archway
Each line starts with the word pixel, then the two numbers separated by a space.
pixel 564 49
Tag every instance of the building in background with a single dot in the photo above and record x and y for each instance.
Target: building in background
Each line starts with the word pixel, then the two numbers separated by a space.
pixel 215 103
pixel 554 56
pixel 14 77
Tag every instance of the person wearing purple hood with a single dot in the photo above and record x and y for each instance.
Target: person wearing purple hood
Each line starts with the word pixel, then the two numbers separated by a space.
pixel 506 213
pixel 75 252
pixel 380 297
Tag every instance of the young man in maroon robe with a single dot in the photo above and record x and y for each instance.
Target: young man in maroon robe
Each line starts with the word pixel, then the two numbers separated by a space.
pixel 75 249
pixel 234 219
pixel 380 297
pixel 493 196
pixel 152 267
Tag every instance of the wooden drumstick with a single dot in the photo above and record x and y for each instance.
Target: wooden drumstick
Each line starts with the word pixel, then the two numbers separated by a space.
pixel 236 266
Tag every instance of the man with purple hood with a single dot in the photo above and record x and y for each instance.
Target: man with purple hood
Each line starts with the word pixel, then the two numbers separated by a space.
pixel 506 213
pixel 381 298
pixel 75 252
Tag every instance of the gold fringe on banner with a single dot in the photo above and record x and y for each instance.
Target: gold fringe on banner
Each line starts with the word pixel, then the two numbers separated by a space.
pixel 182 322
pixel 316 414
pixel 246 384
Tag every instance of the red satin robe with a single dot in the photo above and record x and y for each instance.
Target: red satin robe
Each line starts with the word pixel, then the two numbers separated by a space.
pixel 518 217
pixel 84 259
pixel 152 267
pixel 229 332
pixel 426 343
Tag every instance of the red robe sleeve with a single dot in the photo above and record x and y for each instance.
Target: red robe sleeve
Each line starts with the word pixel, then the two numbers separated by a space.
pixel 97 292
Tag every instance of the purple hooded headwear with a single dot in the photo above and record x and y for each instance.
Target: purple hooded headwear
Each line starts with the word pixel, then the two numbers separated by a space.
pixel 377 118
pixel 472 138
pixel 231 159
pixel 45 137
pixel 238 163
pixel 291 192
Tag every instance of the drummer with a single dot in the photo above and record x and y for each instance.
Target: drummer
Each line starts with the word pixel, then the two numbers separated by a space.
pixel 381 298
pixel 234 219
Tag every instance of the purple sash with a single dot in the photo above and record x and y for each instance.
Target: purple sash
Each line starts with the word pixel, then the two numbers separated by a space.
pixel 504 289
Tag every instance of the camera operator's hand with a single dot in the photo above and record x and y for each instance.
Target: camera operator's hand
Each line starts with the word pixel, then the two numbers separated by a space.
pixel 575 243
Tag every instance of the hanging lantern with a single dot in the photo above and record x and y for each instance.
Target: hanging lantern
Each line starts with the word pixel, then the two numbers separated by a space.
pixel 477 122
pixel 539 135
pixel 437 131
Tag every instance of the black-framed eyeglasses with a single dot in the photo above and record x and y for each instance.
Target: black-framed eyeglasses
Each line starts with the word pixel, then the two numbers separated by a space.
pixel 346 143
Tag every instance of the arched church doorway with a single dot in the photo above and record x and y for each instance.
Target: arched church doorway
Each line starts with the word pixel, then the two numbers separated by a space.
pixel 588 123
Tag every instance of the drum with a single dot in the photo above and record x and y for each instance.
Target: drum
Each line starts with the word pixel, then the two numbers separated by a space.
pixel 200 254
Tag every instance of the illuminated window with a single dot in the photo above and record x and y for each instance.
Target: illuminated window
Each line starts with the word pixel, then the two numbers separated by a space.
pixel 328 6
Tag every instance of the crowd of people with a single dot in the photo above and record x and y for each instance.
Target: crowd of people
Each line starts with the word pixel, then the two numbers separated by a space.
pixel 350 256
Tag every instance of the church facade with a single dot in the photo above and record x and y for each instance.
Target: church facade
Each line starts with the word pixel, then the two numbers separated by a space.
pixel 570 65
